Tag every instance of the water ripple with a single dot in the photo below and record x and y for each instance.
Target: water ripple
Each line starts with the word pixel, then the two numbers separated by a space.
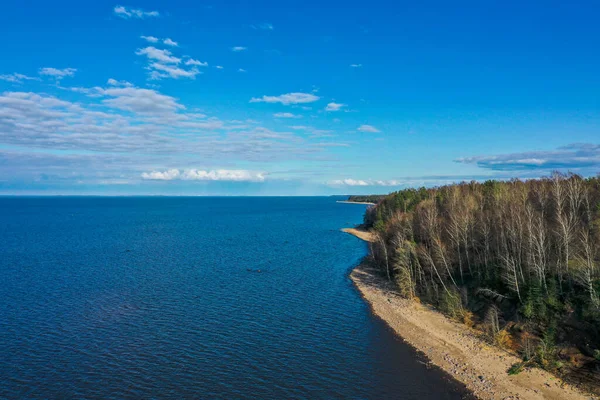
pixel 162 298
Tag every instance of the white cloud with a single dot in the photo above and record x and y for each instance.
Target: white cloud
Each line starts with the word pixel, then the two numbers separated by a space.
pixel 287 99
pixel 334 106
pixel 286 115
pixel 150 39
pixel 17 78
pixel 313 132
pixel 356 65
pixel 391 182
pixel 57 73
pixel 191 61
pixel 161 176
pixel 114 82
pixel 83 90
pixel 143 101
pixel 163 64
pixel 130 130
pixel 219 67
pixel 224 175
pixel 368 182
pixel 126 13
pixel 239 48
pixel 164 56
pixel 368 128
pixel 242 70
pixel 154 39
pixel 236 175
pixel 165 71
pixel 48 123
pixel 350 182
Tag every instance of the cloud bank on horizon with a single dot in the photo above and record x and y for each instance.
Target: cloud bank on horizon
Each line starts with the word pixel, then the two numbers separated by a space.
pixel 140 102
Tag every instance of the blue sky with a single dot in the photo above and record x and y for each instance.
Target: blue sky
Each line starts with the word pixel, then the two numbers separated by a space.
pixel 294 97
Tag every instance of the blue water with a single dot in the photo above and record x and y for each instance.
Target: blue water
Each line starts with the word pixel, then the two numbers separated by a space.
pixel 157 297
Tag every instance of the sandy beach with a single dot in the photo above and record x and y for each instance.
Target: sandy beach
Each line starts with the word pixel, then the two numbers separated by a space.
pixel 454 347
pixel 364 235
pixel 355 202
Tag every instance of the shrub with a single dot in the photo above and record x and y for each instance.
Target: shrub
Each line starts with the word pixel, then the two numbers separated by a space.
pixel 516 368
pixel 546 352
pixel 504 340
pixel 527 309
pixel 528 346
pixel 451 304
pixel 468 319
pixel 492 322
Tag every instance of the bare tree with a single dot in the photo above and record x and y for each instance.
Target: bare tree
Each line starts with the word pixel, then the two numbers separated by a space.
pixel 511 275
pixel 455 226
pixel 380 240
pixel 426 255
pixel 537 248
pixel 587 269
pixel 567 197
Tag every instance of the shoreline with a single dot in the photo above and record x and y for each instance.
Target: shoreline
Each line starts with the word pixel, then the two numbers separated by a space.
pixel 359 233
pixel 355 202
pixel 454 347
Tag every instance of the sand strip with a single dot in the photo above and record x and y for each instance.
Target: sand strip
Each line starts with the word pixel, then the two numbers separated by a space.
pixel 359 233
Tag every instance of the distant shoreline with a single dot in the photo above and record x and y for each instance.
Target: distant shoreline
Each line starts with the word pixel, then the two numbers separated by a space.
pixel 355 202
pixel 454 347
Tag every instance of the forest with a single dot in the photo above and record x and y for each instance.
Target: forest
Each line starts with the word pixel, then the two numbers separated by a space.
pixel 518 260
pixel 368 198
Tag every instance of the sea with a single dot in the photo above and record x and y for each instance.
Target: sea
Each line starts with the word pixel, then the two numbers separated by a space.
pixel 194 298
